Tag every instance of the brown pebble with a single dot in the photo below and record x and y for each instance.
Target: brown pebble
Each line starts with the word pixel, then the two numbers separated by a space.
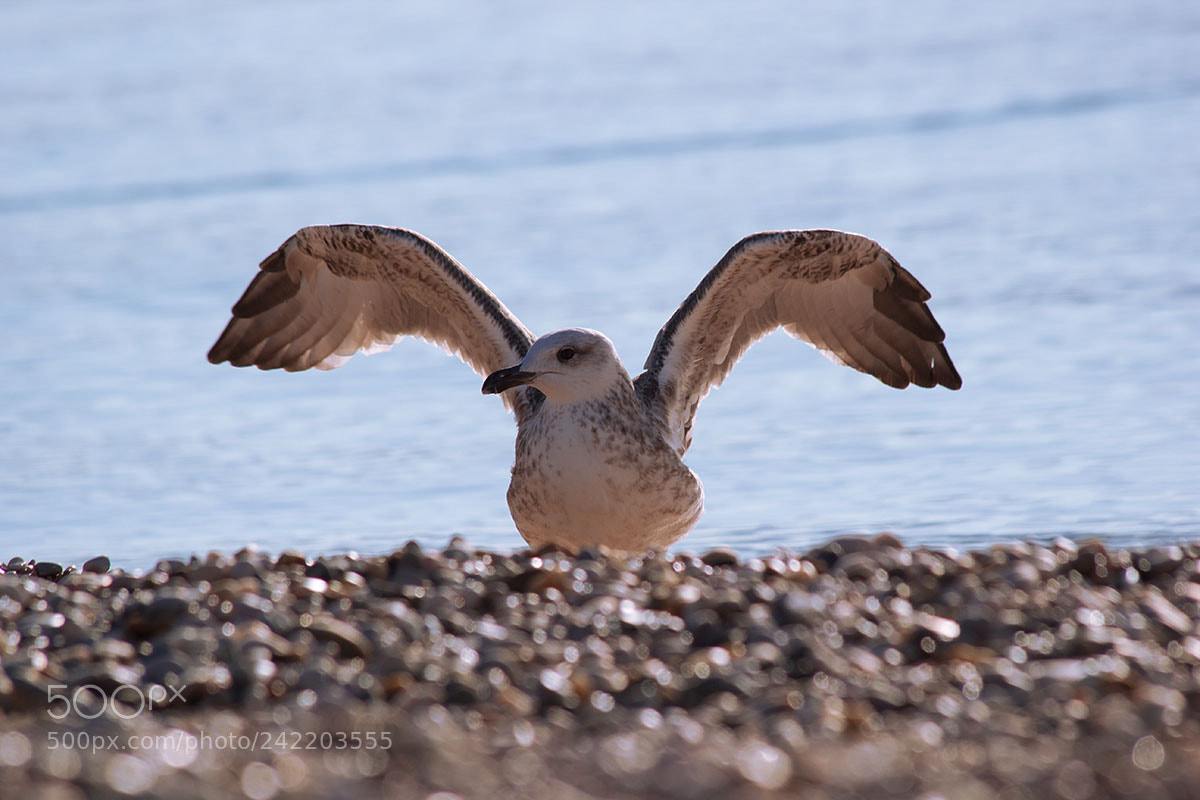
pixel 290 558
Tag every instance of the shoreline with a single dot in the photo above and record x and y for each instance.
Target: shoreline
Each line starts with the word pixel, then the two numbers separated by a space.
pixel 858 668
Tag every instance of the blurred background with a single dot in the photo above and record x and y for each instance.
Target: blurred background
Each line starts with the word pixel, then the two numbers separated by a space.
pixel 1035 165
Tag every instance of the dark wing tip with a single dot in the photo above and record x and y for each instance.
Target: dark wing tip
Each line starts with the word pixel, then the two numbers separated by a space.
pixel 906 284
pixel 276 261
pixel 267 290
pixel 944 370
pixel 913 315
pixel 271 287
pixel 226 348
pixel 904 302
pixel 219 352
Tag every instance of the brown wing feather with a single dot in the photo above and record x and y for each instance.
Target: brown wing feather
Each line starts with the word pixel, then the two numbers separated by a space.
pixel 332 290
pixel 840 292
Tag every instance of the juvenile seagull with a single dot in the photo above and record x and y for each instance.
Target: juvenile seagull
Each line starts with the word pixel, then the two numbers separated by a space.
pixel 598 455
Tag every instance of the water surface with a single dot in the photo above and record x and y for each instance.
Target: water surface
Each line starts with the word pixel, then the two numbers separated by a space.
pixel 1035 166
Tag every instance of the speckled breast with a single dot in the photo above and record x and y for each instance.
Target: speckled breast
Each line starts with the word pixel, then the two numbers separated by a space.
pixel 588 475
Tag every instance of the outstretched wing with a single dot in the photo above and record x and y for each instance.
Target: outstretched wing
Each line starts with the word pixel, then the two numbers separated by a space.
pixel 840 292
pixel 332 290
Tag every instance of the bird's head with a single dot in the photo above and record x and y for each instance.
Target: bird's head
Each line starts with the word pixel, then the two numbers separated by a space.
pixel 568 366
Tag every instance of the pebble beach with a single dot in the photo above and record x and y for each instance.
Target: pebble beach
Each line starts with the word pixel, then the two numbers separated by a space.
pixel 859 669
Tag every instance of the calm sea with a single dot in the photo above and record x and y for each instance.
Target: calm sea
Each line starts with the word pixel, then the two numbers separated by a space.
pixel 1035 165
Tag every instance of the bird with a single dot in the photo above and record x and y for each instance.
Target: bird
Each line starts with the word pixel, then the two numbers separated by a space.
pixel 599 454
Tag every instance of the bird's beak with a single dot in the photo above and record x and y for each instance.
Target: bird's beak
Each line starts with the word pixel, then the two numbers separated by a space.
pixel 503 379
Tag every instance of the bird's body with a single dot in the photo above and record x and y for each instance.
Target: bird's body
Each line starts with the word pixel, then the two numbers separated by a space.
pixel 598 454
pixel 600 470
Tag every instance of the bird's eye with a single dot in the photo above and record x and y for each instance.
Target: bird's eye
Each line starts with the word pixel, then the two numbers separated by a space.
pixel 566 354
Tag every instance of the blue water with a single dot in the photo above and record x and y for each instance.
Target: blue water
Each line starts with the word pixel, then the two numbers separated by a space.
pixel 1035 165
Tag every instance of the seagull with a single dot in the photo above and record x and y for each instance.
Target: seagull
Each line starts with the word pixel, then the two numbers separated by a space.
pixel 598 453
